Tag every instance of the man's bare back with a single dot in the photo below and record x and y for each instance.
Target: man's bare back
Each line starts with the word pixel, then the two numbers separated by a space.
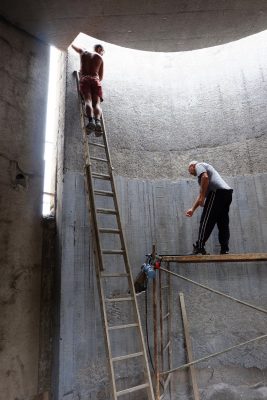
pixel 91 64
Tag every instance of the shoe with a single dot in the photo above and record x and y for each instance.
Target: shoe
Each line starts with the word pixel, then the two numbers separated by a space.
pixel 98 126
pixel 224 252
pixel 198 250
pixel 91 126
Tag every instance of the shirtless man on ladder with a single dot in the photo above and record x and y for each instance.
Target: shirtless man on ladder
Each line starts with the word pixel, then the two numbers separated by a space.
pixel 91 75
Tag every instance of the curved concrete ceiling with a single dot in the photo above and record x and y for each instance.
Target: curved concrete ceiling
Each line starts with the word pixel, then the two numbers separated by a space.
pixel 154 25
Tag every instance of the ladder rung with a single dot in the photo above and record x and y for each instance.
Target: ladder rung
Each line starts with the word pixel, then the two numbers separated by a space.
pixel 100 176
pixel 96 144
pixel 103 193
pixel 114 275
pixel 128 356
pixel 106 211
pixel 114 299
pixel 166 315
pixel 109 230
pixel 99 159
pixel 106 251
pixel 132 389
pixel 167 345
pixel 115 327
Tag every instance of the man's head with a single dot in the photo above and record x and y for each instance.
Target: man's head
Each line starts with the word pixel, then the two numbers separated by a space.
pixel 192 167
pixel 98 48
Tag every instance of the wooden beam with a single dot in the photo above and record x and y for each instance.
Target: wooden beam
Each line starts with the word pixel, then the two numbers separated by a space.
pixel 155 323
pixel 189 348
pixel 247 257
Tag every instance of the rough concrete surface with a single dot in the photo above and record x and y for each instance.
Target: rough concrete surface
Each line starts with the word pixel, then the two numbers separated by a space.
pixel 152 212
pixel 162 110
pixel 210 105
pixel 172 25
pixel 24 67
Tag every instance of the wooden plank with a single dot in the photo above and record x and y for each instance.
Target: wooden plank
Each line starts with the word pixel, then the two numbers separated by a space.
pixel 98 159
pixel 246 257
pixel 96 144
pixel 132 389
pixel 114 275
pixel 155 324
pixel 98 175
pixel 126 357
pixel 170 302
pixel 115 327
pixel 166 315
pixel 103 193
pixel 106 251
pixel 167 382
pixel 161 320
pixel 109 230
pixel 167 346
pixel 189 348
pixel 106 211
pixel 113 299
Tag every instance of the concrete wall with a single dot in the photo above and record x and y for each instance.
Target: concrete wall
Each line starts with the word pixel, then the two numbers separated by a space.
pixel 155 214
pixel 161 110
pixel 164 109
pixel 152 212
pixel 24 73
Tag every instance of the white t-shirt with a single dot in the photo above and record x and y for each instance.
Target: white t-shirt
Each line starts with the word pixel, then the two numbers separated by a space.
pixel 215 180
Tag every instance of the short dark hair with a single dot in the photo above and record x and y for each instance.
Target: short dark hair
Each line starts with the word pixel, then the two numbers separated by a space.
pixel 96 47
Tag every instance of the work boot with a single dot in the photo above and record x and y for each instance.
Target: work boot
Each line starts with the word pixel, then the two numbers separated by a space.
pixel 198 250
pixel 98 127
pixel 90 126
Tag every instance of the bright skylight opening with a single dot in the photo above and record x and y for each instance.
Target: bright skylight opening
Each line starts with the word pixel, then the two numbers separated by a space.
pixel 50 134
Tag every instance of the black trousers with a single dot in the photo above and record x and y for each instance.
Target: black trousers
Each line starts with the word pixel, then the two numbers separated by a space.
pixel 216 211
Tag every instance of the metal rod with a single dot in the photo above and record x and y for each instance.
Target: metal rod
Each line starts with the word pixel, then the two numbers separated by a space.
pixel 213 355
pixel 216 291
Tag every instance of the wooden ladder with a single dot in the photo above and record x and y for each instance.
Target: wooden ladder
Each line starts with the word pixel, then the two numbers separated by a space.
pixel 122 324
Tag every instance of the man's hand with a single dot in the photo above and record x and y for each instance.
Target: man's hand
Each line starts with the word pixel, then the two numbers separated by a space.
pixel 189 212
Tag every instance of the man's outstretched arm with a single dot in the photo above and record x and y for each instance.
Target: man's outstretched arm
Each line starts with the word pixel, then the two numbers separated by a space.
pixel 78 49
pixel 204 183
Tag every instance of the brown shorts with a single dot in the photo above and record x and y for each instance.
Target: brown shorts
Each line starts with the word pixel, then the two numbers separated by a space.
pixel 91 84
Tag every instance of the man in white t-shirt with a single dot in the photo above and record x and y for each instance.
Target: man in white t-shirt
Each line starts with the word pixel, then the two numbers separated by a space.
pixel 215 196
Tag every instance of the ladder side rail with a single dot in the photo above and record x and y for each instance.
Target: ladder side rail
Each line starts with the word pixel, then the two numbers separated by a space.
pixel 99 264
pixel 170 309
pixel 167 296
pixel 106 333
pixel 96 239
pixel 161 320
pixel 127 264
